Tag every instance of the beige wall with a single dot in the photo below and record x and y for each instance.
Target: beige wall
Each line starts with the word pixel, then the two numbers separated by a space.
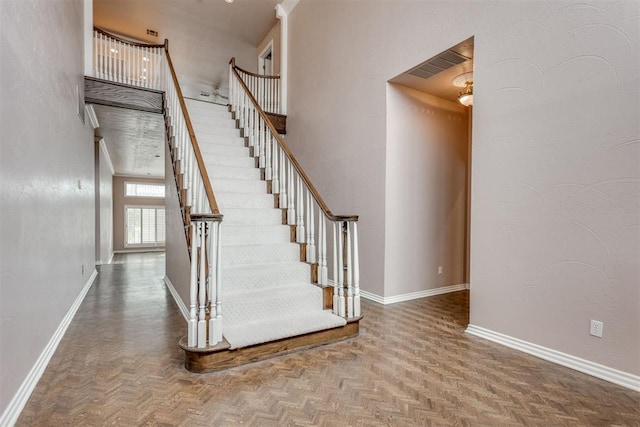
pixel 119 202
pixel 426 164
pixel 46 219
pixel 556 166
pixel 178 262
pixel 272 36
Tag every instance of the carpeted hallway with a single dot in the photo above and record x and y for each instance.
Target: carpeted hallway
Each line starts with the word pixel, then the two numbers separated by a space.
pixel 119 364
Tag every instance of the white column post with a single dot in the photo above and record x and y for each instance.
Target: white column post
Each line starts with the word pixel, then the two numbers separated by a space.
pixel 218 330
pixel 336 308
pixel 212 278
pixel 282 12
pixel 349 271
pixel 202 285
pixel 356 272
pixel 192 328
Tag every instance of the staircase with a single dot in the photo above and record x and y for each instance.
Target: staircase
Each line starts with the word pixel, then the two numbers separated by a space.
pixel 270 268
pixel 268 294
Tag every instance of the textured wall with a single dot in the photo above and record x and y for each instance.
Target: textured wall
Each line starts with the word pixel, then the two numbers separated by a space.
pixel 46 221
pixel 555 235
pixel 426 194
pixel 119 201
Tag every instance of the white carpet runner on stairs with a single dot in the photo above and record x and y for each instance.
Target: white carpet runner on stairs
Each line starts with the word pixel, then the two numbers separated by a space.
pixel 266 291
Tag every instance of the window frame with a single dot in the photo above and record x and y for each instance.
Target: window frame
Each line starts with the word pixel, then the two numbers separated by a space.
pixel 126 227
pixel 124 192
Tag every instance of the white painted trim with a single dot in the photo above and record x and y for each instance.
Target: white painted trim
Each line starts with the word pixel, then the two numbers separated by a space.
pixel 289 5
pixel 412 295
pixel 282 13
pixel 103 148
pixel 13 410
pixel 128 175
pixel 615 376
pixel 91 113
pixel 181 306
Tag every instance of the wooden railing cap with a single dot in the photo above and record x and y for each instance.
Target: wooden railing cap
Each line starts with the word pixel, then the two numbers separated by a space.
pixel 132 43
pixel 314 193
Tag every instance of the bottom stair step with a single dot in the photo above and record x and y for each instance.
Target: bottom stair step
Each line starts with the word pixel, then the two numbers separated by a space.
pixel 248 334
pixel 222 357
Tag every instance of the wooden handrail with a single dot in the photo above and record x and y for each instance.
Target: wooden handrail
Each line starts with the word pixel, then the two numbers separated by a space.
pixel 314 193
pixel 215 212
pixel 122 40
pixel 233 63
pixel 194 142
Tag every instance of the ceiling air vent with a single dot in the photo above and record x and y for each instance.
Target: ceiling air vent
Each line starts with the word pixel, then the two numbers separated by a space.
pixel 435 65
pixel 153 33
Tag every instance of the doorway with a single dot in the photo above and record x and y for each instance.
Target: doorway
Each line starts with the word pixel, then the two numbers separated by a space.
pixel 265 60
pixel 428 176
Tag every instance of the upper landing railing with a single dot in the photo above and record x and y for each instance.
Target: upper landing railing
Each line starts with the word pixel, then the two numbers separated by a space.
pixel 316 226
pixel 265 89
pixel 149 66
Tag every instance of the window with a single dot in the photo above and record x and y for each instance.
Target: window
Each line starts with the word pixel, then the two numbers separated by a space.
pixel 144 226
pixel 136 189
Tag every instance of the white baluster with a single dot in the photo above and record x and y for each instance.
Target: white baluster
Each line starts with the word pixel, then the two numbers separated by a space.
pixel 275 155
pixel 356 272
pixel 267 170
pixel 283 181
pixel 311 240
pixel 202 289
pixel 349 273
pixel 341 308
pixel 322 251
pixel 262 134
pixel 291 208
pixel 192 326
pixel 300 203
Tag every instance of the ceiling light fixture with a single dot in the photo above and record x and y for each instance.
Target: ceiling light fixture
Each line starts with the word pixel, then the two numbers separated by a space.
pixel 228 1
pixel 466 96
pixel 464 80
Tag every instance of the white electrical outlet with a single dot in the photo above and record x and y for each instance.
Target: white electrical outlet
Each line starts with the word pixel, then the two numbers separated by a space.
pixel 439 269
pixel 596 328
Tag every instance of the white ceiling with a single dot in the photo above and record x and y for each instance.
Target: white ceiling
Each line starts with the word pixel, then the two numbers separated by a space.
pixel 203 35
pixel 134 140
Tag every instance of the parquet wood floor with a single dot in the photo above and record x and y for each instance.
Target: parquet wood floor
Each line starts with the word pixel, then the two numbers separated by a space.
pixel 411 365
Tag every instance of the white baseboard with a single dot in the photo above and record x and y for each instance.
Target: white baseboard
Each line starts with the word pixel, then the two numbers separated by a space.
pixel 181 306
pixel 413 295
pixel 585 366
pixel 13 410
